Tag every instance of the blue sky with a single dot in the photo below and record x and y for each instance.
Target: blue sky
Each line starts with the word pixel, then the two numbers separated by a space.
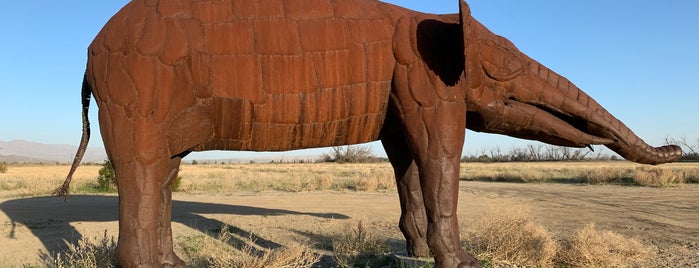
pixel 639 59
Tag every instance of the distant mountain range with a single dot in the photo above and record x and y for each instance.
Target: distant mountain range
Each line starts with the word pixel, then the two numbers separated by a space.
pixel 22 151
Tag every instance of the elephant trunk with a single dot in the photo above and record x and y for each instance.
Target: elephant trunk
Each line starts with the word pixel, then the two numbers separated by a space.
pixel 561 98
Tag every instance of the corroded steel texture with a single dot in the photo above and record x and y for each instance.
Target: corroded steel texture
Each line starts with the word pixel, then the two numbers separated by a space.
pixel 269 75
pixel 175 76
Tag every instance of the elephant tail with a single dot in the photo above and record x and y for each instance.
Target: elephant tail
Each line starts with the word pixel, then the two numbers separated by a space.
pixel 86 93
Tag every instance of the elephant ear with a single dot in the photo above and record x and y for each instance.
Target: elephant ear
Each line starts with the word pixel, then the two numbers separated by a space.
pixel 497 57
pixel 472 66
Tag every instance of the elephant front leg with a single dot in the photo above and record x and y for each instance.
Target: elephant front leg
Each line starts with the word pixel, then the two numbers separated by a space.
pixel 435 135
pixel 144 171
pixel 413 218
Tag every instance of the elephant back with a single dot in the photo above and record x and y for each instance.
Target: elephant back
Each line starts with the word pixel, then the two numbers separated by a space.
pixel 310 73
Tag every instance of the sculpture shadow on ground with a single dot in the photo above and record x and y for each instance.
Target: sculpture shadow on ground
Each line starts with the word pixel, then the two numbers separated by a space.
pixel 50 219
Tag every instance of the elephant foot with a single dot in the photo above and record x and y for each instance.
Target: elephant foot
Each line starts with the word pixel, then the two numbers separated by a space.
pixel 419 249
pixel 170 264
pixel 171 260
pixel 470 263
pixel 460 260
pixel 167 260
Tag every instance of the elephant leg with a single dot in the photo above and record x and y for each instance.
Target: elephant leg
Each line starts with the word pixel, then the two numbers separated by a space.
pixel 413 218
pixel 144 171
pixel 165 215
pixel 435 135
pixel 145 235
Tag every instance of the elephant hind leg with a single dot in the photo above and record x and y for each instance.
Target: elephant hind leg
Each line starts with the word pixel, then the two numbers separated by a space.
pixel 145 209
pixel 144 170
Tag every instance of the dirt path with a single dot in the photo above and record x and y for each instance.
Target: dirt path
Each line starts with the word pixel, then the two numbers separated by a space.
pixel 667 218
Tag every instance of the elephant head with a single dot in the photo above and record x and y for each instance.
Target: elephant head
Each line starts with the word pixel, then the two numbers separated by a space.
pixel 510 93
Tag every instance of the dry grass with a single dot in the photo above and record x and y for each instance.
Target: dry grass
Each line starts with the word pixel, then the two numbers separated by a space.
pixel 230 250
pixel 37 180
pixel 654 176
pixel 199 251
pixel 592 248
pixel 286 177
pixel 508 235
pixel 359 247
pixel 584 172
pixel 505 237
pixel 87 254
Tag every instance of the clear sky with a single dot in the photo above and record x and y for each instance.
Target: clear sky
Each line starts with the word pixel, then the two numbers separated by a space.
pixel 639 59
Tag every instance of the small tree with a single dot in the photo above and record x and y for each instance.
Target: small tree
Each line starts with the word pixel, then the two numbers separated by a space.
pixel 690 151
pixel 3 167
pixel 349 154
pixel 107 179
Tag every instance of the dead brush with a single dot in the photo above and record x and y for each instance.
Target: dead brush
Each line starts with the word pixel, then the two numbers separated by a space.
pixel 371 181
pixel 604 175
pixel 689 175
pixel 655 176
pixel 229 250
pixel 87 254
pixel 359 248
pixel 507 235
pixel 592 248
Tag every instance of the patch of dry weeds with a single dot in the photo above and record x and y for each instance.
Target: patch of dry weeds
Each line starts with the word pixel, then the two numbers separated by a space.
pixel 508 235
pixel 592 248
pixel 88 254
pixel 230 250
pixel 359 247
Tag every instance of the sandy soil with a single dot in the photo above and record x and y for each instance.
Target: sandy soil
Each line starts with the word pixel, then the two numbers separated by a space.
pixel 667 218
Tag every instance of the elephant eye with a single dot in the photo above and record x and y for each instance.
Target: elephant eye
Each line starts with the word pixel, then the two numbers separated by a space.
pixel 500 60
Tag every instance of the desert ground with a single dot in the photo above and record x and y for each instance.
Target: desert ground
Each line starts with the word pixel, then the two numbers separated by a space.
pixel 35 226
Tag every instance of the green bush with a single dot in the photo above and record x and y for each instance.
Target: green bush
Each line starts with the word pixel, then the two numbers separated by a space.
pixel 107 179
pixel 176 184
pixel 3 167
pixel 108 183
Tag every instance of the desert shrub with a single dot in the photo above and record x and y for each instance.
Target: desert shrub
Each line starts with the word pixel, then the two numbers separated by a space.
pixel 205 251
pixel 371 181
pixel 3 167
pixel 654 176
pixel 507 235
pixel 690 175
pixel 87 254
pixel 106 179
pixel 349 154
pixel 605 175
pixel 176 183
pixel 592 248
pixel 359 248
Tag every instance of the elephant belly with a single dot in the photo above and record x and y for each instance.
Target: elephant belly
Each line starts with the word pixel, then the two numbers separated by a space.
pixel 343 115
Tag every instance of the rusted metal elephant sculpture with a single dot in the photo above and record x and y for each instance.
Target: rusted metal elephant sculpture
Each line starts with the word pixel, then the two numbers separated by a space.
pixel 172 77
